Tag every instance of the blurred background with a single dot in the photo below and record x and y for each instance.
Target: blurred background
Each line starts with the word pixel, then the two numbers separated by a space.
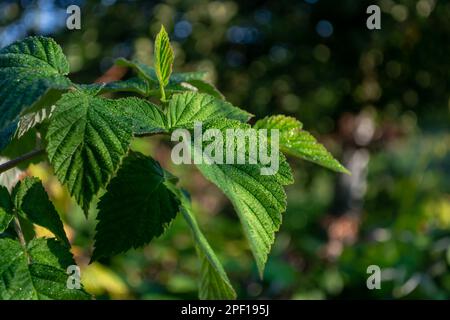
pixel 379 100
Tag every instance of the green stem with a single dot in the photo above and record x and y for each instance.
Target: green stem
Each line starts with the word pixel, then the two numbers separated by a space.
pixel 163 94
pixel 19 232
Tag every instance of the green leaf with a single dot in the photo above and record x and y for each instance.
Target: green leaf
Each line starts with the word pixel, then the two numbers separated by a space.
pixel 214 282
pixel 180 77
pixel 163 57
pixel 136 207
pixel 189 107
pixel 144 71
pixel 135 84
pixel 146 117
pixel 32 202
pixel 87 139
pixel 206 87
pixel 299 143
pixel 178 82
pixel 6 209
pixel 29 69
pixel 258 199
pixel 37 272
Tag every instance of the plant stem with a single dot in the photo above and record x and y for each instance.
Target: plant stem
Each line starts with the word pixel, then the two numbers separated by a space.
pixel 163 94
pixel 14 162
pixel 19 232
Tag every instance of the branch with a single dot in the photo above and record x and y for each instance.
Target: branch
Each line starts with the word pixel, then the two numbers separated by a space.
pixel 147 134
pixel 14 162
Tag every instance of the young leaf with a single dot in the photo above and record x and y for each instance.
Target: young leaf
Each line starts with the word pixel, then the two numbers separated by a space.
pixel 178 82
pixel 87 139
pixel 214 282
pixel 189 107
pixel 134 84
pixel 258 199
pixel 163 57
pixel 136 207
pixel 180 77
pixel 28 70
pixel 32 203
pixel 299 143
pixel 144 71
pixel 6 209
pixel 36 272
pixel 206 87
pixel 146 117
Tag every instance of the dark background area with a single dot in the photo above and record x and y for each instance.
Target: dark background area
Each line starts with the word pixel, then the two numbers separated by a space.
pixel 378 99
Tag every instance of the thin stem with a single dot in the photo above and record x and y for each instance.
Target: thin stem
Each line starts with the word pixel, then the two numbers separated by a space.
pixel 14 162
pixel 147 134
pixel 163 94
pixel 19 232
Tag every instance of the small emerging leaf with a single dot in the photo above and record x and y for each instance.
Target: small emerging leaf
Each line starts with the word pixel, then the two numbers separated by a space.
pixel 163 57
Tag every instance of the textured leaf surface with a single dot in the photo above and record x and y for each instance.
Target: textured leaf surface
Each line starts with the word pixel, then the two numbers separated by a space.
pixel 258 199
pixel 32 202
pixel 163 57
pixel 299 143
pixel 136 207
pixel 6 209
pixel 214 283
pixel 145 116
pixel 189 107
pixel 28 70
pixel 37 272
pixel 87 139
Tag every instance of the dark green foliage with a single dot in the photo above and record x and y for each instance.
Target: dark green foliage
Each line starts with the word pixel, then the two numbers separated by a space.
pixel 87 139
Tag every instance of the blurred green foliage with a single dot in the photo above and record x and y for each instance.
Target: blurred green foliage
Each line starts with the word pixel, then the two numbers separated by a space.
pixel 379 100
